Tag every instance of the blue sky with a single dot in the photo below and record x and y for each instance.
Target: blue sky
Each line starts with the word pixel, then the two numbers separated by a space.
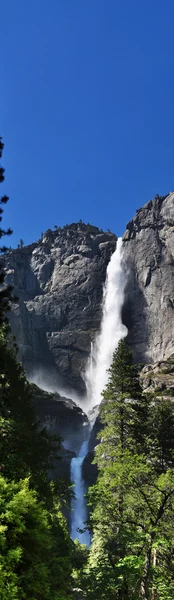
pixel 86 110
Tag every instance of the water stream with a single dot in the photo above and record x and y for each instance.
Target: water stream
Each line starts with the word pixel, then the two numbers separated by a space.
pixel 78 505
pixel 112 328
pixel 111 331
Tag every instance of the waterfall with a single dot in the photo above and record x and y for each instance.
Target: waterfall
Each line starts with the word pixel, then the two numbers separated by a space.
pixel 78 505
pixel 112 328
pixel 111 331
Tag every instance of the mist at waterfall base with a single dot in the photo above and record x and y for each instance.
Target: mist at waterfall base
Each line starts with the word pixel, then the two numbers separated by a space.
pixel 96 376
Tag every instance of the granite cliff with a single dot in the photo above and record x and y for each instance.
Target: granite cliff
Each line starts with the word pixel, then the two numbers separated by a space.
pixel 149 303
pixel 59 282
pixel 148 310
pixel 62 417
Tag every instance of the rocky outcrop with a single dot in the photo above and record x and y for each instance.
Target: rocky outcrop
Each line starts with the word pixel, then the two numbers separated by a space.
pixel 158 378
pixel 149 258
pixel 89 469
pixel 62 417
pixel 58 282
pixel 148 312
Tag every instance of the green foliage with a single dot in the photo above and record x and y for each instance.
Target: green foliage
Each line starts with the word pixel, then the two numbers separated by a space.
pixel 34 547
pixel 21 243
pixel 132 502
pixel 124 409
pixel 24 449
pixel 160 439
pixel 167 392
pixel 131 555
pixel 123 374
pixel 5 291
pixel 92 229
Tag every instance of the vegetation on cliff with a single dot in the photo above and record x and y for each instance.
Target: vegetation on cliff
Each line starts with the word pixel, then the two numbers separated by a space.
pixel 35 547
pixel 5 291
pixel 132 503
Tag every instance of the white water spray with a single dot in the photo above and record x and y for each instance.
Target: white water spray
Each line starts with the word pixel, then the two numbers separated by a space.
pixel 78 505
pixel 112 328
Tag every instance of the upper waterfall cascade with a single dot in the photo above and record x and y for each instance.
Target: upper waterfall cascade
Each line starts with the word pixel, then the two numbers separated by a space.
pixel 112 330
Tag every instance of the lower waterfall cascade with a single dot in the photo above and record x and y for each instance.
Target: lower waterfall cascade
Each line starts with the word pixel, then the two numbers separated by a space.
pixel 111 331
pixel 78 505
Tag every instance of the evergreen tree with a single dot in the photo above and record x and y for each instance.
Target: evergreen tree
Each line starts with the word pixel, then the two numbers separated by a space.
pixel 160 439
pixel 21 243
pixel 124 409
pixel 24 448
pixel 5 291
pixel 131 556
pixel 35 550
pixel 36 556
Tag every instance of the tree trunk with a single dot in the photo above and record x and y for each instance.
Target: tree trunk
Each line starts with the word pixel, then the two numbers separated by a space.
pixel 146 573
pixel 154 591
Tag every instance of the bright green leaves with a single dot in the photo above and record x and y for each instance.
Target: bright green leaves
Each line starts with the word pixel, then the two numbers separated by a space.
pixel 5 291
pixel 24 538
pixel 24 449
pixel 132 503
pixel 123 410
pixel 34 546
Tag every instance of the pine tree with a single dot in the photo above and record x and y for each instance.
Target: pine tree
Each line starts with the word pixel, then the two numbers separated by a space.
pixel 124 409
pixel 24 448
pixel 5 291
pixel 122 414
pixel 35 549
pixel 21 243
pixel 132 503
pixel 160 439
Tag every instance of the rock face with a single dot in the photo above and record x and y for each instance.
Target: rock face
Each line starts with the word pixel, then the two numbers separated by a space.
pixel 89 469
pixel 159 378
pixel 61 417
pixel 58 282
pixel 149 259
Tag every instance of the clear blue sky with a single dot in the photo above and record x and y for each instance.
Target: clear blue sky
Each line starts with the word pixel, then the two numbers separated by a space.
pixel 86 110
